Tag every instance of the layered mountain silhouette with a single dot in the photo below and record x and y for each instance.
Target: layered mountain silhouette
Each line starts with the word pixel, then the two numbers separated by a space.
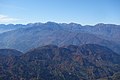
pixel 50 62
pixel 39 34
pixel 59 51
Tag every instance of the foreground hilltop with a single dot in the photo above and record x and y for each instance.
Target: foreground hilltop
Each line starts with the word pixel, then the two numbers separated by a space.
pixel 86 62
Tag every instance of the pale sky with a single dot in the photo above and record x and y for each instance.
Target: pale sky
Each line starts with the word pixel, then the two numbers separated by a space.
pixel 62 11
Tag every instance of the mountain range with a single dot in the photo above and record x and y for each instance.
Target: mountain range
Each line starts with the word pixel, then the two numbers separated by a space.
pixel 39 34
pixel 59 51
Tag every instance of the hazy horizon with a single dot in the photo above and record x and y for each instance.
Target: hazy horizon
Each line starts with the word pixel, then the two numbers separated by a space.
pixel 84 12
pixel 57 23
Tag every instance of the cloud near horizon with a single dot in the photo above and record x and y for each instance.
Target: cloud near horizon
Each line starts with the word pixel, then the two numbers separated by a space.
pixel 7 19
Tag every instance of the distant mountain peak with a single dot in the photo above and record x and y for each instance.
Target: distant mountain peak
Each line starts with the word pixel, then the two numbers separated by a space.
pixel 104 25
pixel 74 24
pixel 100 24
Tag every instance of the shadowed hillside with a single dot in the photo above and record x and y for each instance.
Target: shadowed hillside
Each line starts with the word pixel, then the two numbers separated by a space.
pixel 86 62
